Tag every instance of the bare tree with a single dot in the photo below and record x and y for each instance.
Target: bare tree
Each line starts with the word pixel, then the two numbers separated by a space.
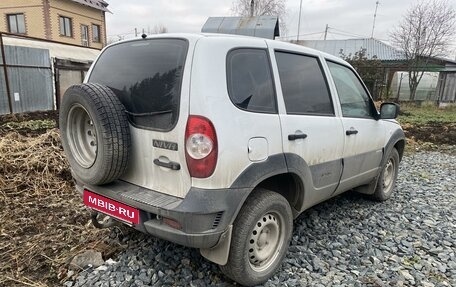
pixel 159 29
pixel 261 8
pixel 425 32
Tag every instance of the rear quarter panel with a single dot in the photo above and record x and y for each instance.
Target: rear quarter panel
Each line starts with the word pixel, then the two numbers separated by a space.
pixel 234 127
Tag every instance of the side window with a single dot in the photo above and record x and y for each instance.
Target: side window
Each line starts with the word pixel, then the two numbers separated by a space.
pixel 304 87
pixel 354 100
pixel 249 80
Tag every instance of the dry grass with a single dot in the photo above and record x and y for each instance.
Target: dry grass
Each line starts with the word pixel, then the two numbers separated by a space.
pixel 43 221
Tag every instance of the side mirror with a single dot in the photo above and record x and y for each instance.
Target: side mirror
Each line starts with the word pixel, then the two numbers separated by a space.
pixel 389 111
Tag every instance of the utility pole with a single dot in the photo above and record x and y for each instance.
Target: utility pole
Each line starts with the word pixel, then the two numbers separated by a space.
pixel 326 31
pixel 252 7
pixel 299 20
pixel 375 16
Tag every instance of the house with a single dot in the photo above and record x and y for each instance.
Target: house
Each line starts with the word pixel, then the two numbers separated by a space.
pixel 45 47
pixel 348 47
pixel 76 22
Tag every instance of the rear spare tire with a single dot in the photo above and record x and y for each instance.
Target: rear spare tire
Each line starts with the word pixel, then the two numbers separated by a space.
pixel 95 133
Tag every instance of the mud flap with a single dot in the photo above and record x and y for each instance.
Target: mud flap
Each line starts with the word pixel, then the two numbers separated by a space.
pixel 369 188
pixel 219 253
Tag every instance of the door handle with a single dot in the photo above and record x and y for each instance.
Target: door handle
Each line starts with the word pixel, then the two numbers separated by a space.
pixel 171 165
pixel 351 132
pixel 293 137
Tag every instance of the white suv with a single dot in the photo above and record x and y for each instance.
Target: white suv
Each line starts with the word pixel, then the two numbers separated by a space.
pixel 218 142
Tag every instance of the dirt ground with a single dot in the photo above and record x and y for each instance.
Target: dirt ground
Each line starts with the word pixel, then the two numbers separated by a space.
pixel 437 133
pixel 43 221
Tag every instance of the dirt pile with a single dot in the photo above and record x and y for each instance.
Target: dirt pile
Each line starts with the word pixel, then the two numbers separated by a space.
pixel 43 221
pixel 437 133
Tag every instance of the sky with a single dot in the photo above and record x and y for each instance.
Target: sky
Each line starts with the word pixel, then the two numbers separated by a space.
pixel 345 18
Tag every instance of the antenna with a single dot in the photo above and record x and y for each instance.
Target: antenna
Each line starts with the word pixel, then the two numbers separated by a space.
pixel 326 31
pixel 375 16
pixel 299 20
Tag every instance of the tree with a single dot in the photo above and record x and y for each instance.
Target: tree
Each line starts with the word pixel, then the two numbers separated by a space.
pixel 370 70
pixel 425 32
pixel 261 8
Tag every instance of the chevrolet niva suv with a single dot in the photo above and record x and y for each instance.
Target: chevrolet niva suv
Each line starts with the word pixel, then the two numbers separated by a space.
pixel 218 142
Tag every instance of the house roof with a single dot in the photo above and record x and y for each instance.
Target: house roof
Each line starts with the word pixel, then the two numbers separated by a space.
pixel 97 4
pixel 56 50
pixel 374 47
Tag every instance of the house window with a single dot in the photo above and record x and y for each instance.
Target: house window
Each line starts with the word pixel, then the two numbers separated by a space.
pixel 66 27
pixel 85 35
pixel 96 33
pixel 16 23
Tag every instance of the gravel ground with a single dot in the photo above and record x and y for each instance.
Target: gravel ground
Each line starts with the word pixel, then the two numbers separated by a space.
pixel 409 240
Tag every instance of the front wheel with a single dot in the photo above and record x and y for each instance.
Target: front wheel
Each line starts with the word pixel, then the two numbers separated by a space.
pixel 261 235
pixel 388 176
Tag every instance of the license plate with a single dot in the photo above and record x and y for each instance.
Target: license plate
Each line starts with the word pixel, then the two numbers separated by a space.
pixel 111 207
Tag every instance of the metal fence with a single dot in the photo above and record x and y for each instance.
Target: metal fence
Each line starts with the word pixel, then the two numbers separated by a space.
pixel 4 107
pixel 26 80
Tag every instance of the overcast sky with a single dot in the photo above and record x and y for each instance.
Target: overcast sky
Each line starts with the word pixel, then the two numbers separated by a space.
pixel 346 18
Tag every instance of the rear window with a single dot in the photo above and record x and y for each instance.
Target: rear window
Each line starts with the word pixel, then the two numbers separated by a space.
pixel 146 76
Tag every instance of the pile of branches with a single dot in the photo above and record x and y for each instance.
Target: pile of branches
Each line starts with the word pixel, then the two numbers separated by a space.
pixel 43 221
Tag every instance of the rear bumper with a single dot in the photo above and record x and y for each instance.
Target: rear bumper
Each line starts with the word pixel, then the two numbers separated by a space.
pixel 203 214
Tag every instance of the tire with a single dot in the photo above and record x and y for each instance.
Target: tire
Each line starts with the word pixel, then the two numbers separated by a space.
pixel 388 176
pixel 95 133
pixel 265 216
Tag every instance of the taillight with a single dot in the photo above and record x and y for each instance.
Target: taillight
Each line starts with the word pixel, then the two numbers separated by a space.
pixel 200 146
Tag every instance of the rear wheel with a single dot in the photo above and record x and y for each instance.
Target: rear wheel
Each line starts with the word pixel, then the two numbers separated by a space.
pixel 261 235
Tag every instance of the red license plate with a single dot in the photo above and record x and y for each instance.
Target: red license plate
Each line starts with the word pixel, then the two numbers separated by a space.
pixel 111 207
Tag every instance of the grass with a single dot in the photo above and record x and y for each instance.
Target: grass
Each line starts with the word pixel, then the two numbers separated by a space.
pixel 427 115
pixel 31 124
pixel 409 261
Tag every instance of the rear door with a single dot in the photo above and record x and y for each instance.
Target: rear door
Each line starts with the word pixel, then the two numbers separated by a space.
pixel 364 135
pixel 151 79
pixel 310 128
